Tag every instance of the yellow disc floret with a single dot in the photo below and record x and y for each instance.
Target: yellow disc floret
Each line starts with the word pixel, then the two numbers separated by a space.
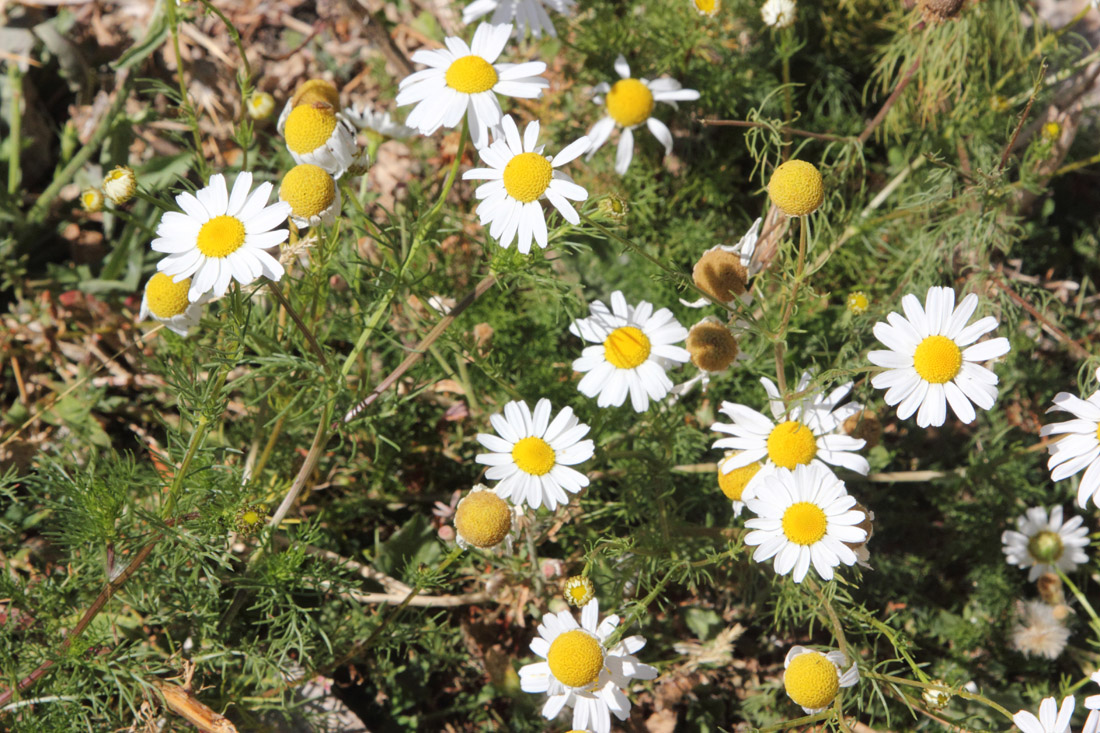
pixel 315 90
pixel 471 75
pixel 165 298
pixel 796 188
pixel 707 7
pixel 804 523
pixel 1046 546
pixel 857 302
pixel 483 519
pixel 534 456
pixel 308 189
pixel 221 236
pixel 711 345
pixel 791 444
pixel 733 483
pixel 629 102
pixel 937 359
pixel 811 680
pixel 579 590
pixel 91 199
pixel 721 275
pixel 527 176
pixel 626 347
pixel 309 126
pixel 575 658
pixel 260 105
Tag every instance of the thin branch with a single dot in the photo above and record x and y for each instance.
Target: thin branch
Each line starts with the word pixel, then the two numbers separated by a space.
pixel 781 128
pixel 878 118
pixel 1078 351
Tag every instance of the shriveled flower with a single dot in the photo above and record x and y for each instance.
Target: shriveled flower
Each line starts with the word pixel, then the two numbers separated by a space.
pixel 1052 719
pixel 528 15
pixel 312 193
pixel 712 345
pixel 581 670
pixel 813 679
pixel 484 520
pixel 723 271
pixel 633 348
pixel 931 363
pixel 1079 449
pixel 91 200
pixel 778 13
pixel 166 301
pixel 519 176
pixel 1043 542
pixel 465 80
pixel 1040 632
pixel 249 519
pixel 532 456
pixel 120 185
pixel 629 103
pixel 804 517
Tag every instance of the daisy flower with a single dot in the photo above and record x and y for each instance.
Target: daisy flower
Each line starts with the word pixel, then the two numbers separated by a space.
pixel 519 175
pixel 531 456
pixel 222 236
pixel 317 134
pixel 313 195
pixel 808 432
pixel 1092 702
pixel 778 13
pixel 733 482
pixel 1080 449
pixel 804 516
pixel 930 362
pixel 723 271
pixel 311 91
pixel 581 670
pixel 527 14
pixel 629 103
pixel 1041 630
pixel 484 520
pixel 1043 543
pixel 634 347
pixel 579 590
pixel 813 679
pixel 370 120
pixel 464 79
pixel 166 301
pixel 1052 719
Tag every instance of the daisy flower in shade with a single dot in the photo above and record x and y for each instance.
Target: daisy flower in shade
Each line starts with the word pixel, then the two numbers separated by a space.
pixel 629 103
pixel 723 271
pixel 813 679
pixel 527 14
pixel 634 347
pixel 808 432
pixel 222 236
pixel 317 134
pixel 931 363
pixel 465 79
pixel 1080 448
pixel 166 301
pixel 804 517
pixel 518 177
pixel 1040 630
pixel 1043 543
pixel 531 455
pixel 581 670
pixel 778 13
pixel 1052 719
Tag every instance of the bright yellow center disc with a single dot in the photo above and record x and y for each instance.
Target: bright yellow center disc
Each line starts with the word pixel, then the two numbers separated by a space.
pixel 796 188
pixel 166 298
pixel 315 90
pixel 811 680
pixel 471 74
pixel 626 347
pixel 629 102
pixel 804 523
pixel 791 444
pixel 483 519
pixel 221 236
pixel 575 658
pixel 937 359
pixel 308 127
pixel 534 456
pixel 308 189
pixel 733 483
pixel 527 176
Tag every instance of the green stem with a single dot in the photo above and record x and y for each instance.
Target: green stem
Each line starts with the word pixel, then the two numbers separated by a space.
pixel 185 100
pixel 278 293
pixel 15 126
pixel 193 445
pixel 638 609
pixel 938 688
pixel 788 309
pixel 418 240
pixel 1080 599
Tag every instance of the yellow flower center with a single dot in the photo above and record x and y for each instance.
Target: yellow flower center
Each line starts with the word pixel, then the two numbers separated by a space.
pixel 471 74
pixel 308 189
pixel 804 523
pixel 1046 546
pixel 937 359
pixel 796 188
pixel 733 483
pixel 626 347
pixel 711 345
pixel 858 302
pixel 221 236
pixel 791 444
pixel 250 517
pixel 575 658
pixel 308 127
pixel 91 199
pixel 483 519
pixel 629 102
pixel 166 298
pixel 527 176
pixel 579 590
pixel 260 105
pixel 706 7
pixel 721 275
pixel 315 90
pixel 811 680
pixel 534 456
